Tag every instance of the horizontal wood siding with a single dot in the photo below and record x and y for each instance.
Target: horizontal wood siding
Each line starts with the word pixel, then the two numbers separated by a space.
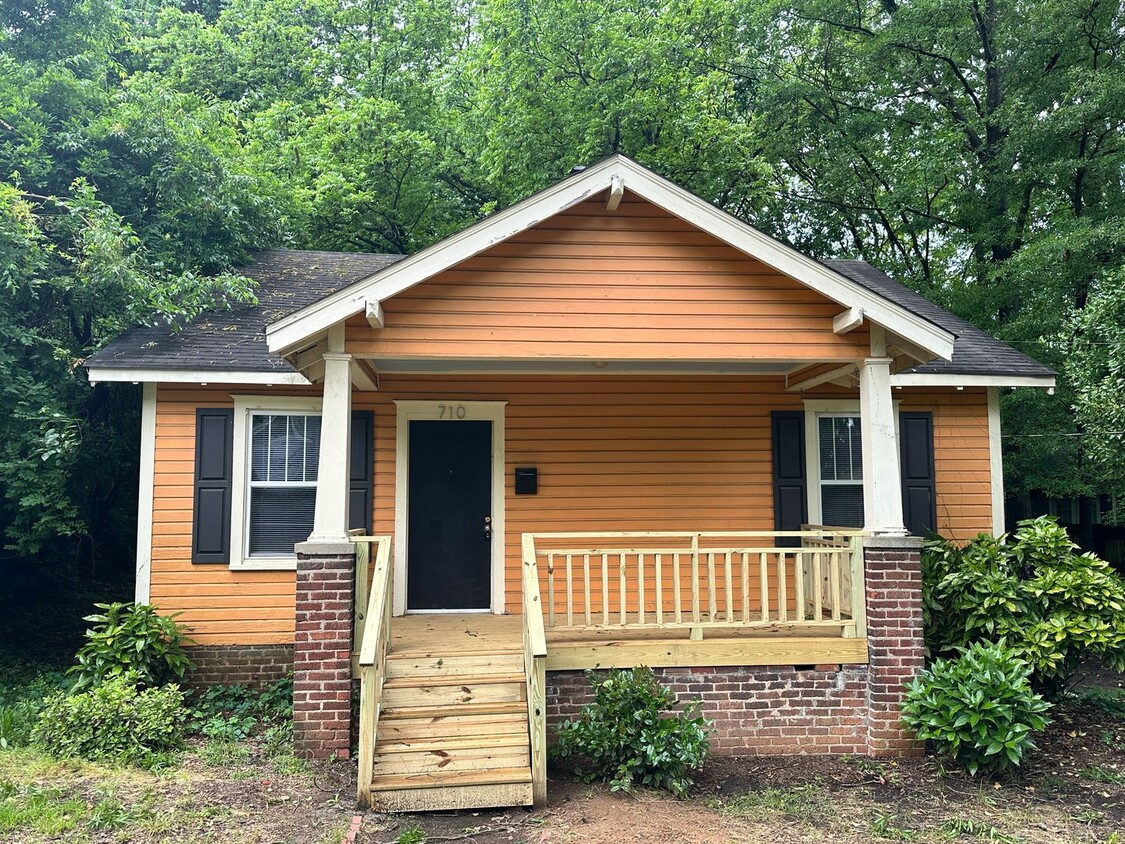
pixel 635 283
pixel 961 458
pixel 615 453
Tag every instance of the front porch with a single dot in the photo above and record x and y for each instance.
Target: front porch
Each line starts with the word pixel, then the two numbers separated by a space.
pixel 454 706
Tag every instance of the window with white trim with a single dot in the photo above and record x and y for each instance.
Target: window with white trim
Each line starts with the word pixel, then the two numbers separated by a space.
pixel 840 463
pixel 281 484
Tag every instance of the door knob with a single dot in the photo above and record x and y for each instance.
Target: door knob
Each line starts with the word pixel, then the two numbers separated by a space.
pixel 488 528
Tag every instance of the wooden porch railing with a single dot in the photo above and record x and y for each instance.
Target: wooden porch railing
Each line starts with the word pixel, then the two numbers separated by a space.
pixel 372 631
pixel 700 580
pixel 535 671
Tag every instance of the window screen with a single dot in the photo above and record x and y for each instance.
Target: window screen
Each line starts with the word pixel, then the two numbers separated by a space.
pixel 841 471
pixel 284 452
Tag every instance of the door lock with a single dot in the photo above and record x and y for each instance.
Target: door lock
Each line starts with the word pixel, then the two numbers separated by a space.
pixel 488 528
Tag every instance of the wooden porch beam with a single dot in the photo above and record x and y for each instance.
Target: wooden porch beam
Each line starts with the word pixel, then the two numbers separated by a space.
pixel 616 191
pixel 908 348
pixel 365 376
pixel 625 653
pixel 849 320
pixel 815 379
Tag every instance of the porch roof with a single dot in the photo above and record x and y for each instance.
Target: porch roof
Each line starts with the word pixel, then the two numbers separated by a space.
pixel 234 341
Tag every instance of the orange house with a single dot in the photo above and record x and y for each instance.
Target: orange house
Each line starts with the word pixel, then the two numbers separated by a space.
pixel 608 426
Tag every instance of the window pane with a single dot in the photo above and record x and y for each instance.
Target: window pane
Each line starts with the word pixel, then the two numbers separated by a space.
pixel 280 518
pixel 842 505
pixel 841 456
pixel 259 448
pixel 277 455
pixel 312 447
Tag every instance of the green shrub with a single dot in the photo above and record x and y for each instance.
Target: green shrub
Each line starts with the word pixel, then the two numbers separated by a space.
pixel 1031 592
pixel 116 721
pixel 234 713
pixel 979 708
pixel 131 639
pixel 631 734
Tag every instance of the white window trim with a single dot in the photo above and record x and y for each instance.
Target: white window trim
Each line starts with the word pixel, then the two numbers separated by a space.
pixel 244 406
pixel 146 487
pixel 814 409
pixel 485 411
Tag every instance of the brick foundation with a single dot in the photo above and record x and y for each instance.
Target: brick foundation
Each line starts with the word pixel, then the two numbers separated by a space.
pixel 322 681
pixel 827 709
pixel 256 666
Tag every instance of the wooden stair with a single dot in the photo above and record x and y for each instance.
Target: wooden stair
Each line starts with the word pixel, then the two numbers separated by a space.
pixel 452 730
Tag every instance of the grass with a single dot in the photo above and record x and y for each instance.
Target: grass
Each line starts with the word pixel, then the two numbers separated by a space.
pixel 1109 701
pixel 956 827
pixel 883 826
pixel 1102 774
pixel 807 804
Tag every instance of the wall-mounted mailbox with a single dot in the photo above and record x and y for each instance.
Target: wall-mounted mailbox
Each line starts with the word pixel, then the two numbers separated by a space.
pixel 527 480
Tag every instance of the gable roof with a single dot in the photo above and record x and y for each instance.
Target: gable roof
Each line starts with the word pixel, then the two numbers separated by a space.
pixel 232 343
pixel 615 173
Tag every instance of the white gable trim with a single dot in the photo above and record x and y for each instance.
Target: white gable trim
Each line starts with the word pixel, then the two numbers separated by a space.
pixel 296 329
pixel 196 376
pixel 953 379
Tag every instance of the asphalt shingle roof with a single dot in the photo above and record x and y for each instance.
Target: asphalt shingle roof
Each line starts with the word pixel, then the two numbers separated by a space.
pixel 975 352
pixel 235 340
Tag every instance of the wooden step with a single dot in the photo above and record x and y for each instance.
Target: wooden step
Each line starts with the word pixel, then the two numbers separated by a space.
pixel 447 743
pixel 439 779
pixel 457 695
pixel 481 760
pixel 469 680
pixel 405 729
pixel 453 797
pixel 443 711
pixel 474 665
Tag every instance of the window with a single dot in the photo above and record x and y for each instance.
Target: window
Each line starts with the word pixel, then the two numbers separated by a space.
pixel 284 451
pixel 841 470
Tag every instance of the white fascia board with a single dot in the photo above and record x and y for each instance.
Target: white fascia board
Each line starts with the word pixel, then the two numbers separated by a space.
pixel 295 329
pixel 936 379
pixel 196 376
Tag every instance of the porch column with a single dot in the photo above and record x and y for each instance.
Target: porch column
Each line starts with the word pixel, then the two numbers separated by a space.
pixel 330 519
pixel 322 646
pixel 882 484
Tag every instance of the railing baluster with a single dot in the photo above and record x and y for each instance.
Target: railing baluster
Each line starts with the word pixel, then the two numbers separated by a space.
pixel 745 586
pixel 586 585
pixel 782 596
pixel 730 589
pixel 764 586
pixel 605 589
pixel 659 591
pixel 640 588
pixel 678 608
pixel 551 589
pixel 569 592
pixel 818 588
pixel 834 573
pixel 621 584
pixel 712 598
pixel 695 579
pixel 801 561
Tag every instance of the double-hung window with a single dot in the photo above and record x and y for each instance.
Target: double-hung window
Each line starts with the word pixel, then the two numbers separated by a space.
pixel 284 452
pixel 839 487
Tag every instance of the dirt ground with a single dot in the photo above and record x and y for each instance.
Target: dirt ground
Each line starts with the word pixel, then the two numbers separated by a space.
pixel 1073 791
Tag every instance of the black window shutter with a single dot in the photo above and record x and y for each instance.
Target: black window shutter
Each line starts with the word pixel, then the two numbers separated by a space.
pixel 362 471
pixel 919 496
pixel 214 441
pixel 790 501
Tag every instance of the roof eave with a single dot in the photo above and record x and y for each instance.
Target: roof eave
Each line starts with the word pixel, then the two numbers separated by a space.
pixel 157 375
pixel 975 379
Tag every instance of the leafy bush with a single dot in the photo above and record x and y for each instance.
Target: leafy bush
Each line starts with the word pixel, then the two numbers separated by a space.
pixel 632 735
pixel 114 721
pixel 979 708
pixel 1030 592
pixel 21 697
pixel 233 713
pixel 131 639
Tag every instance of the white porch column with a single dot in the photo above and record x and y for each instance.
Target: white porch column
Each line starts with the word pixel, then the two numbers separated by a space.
pixel 882 483
pixel 330 519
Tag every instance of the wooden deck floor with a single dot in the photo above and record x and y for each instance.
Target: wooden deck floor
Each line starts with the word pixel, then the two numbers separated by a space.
pixel 612 647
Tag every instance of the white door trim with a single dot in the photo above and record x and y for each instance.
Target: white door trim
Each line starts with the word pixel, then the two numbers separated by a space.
pixel 452 411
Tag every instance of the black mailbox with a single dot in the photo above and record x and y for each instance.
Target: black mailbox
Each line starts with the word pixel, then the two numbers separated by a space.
pixel 527 481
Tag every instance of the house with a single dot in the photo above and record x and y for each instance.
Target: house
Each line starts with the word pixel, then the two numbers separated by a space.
pixel 608 426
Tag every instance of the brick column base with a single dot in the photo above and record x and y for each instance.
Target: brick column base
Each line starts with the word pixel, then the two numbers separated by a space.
pixel 322 650
pixel 893 574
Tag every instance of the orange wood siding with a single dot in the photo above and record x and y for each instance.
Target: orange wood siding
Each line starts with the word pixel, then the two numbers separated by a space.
pixel 614 453
pixel 636 283
pixel 961 457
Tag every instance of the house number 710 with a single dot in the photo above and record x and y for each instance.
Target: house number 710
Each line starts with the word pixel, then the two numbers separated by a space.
pixel 451 411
